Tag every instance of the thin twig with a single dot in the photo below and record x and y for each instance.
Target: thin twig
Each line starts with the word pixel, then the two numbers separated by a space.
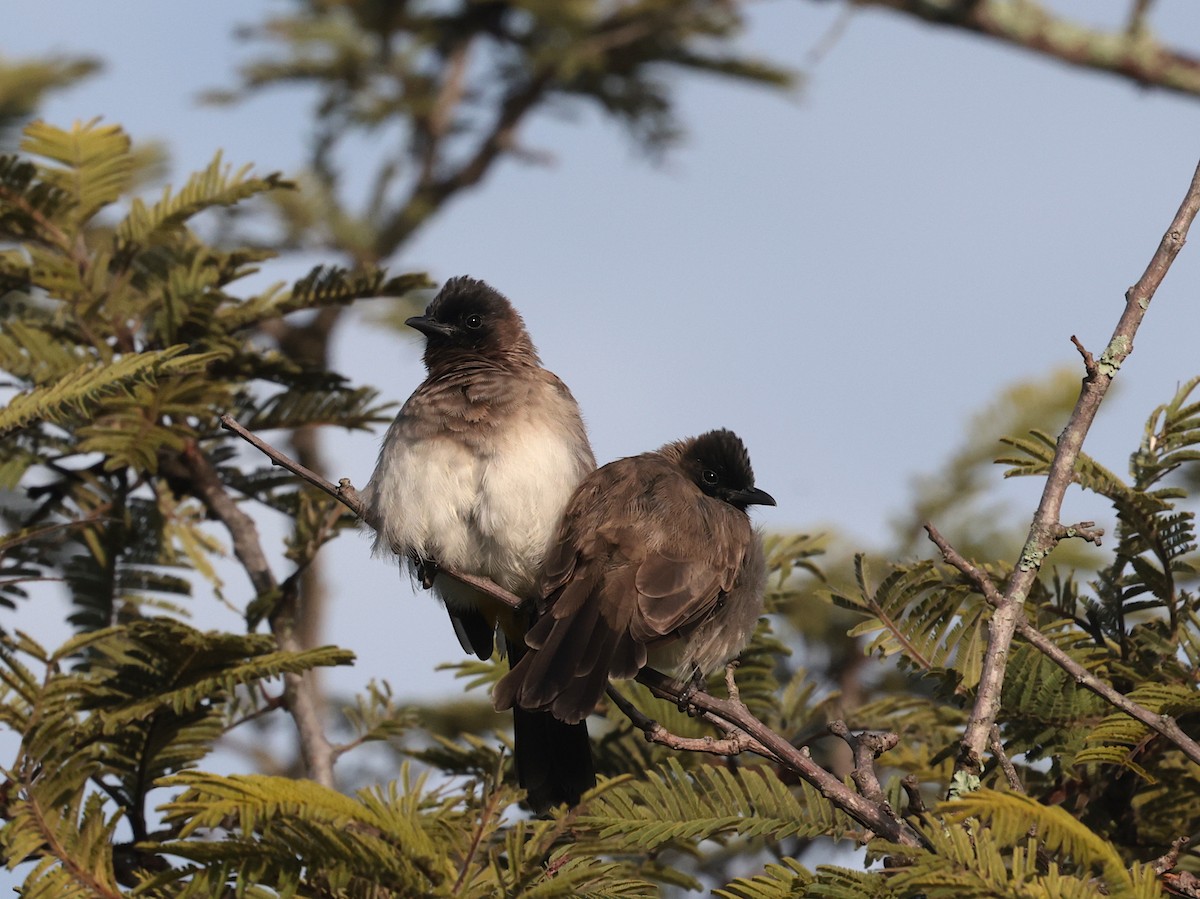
pixel 737 742
pixel 1137 18
pixel 833 34
pixel 344 491
pixel 866 747
pixel 1089 363
pixel 912 789
pixel 1006 765
pixel 1170 858
pixel 1084 530
pixel 487 814
pixel 1046 529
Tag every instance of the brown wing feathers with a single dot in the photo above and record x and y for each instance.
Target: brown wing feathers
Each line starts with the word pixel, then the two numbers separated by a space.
pixel 645 556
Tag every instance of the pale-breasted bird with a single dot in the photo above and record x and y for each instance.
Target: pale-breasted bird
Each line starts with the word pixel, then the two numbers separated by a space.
pixel 655 563
pixel 473 476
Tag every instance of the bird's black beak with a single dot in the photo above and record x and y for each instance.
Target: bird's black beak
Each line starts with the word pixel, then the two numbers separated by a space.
pixel 752 497
pixel 429 327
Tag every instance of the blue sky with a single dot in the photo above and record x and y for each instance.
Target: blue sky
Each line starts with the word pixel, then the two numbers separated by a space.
pixel 842 276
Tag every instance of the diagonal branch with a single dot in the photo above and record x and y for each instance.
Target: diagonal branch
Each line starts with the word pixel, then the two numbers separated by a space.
pixel 1046 530
pixel 736 741
pixel 1162 724
pixel 879 818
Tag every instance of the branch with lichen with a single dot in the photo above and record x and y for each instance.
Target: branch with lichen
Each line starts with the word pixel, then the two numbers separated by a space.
pixel 1132 53
pixel 1046 530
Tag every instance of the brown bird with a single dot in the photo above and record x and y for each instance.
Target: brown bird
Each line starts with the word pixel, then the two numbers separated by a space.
pixel 473 476
pixel 655 562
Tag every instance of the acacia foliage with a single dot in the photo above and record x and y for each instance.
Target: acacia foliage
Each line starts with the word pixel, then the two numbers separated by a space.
pixel 126 340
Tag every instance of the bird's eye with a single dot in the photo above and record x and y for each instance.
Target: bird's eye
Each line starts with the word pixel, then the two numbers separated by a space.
pixel 474 322
pixel 709 477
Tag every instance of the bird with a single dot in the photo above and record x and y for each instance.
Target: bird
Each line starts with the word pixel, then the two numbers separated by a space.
pixel 473 476
pixel 655 563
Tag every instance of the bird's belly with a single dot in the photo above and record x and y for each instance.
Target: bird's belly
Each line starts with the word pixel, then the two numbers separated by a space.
pixel 488 514
pixel 524 488
pixel 420 499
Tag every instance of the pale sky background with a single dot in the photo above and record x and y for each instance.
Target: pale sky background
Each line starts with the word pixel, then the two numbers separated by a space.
pixel 843 277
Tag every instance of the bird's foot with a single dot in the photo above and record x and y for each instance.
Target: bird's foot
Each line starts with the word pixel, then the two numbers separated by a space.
pixel 693 685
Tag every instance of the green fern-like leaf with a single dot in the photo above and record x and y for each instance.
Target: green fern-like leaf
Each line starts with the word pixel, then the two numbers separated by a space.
pixel 75 846
pixel 285 832
pixel 35 353
pixel 297 408
pixel 1010 816
pixel 676 806
pixel 95 163
pixel 82 387
pixel 833 882
pixel 323 286
pixel 216 185
pixel 781 881
pixel 930 619
pixel 29 208
pixel 1172 431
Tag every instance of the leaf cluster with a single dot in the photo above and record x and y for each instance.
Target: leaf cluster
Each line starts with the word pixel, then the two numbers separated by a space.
pixel 124 342
pixel 112 715
pixel 125 339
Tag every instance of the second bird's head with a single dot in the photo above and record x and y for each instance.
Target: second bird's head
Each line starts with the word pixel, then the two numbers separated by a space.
pixel 468 317
pixel 717 462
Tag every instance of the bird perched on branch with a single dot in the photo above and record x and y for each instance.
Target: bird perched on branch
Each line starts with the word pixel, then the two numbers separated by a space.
pixel 655 563
pixel 473 477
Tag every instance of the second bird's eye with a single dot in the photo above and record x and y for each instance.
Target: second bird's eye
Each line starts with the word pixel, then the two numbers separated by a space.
pixel 474 322
pixel 709 476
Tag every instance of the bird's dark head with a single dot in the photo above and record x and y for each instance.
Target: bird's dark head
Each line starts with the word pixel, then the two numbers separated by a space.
pixel 718 463
pixel 468 316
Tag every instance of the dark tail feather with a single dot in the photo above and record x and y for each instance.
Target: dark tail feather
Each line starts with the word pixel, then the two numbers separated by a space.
pixel 553 758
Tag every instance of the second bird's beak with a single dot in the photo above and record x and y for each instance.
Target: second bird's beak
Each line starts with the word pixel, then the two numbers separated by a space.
pixel 429 327
pixel 754 497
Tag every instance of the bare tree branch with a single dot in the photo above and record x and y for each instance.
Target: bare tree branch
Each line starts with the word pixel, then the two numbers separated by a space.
pixel 1168 860
pixel 912 789
pixel 880 819
pixel 1006 765
pixel 1161 724
pixel 737 741
pixel 866 747
pixel 1131 53
pixel 1046 529
pixel 298 690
